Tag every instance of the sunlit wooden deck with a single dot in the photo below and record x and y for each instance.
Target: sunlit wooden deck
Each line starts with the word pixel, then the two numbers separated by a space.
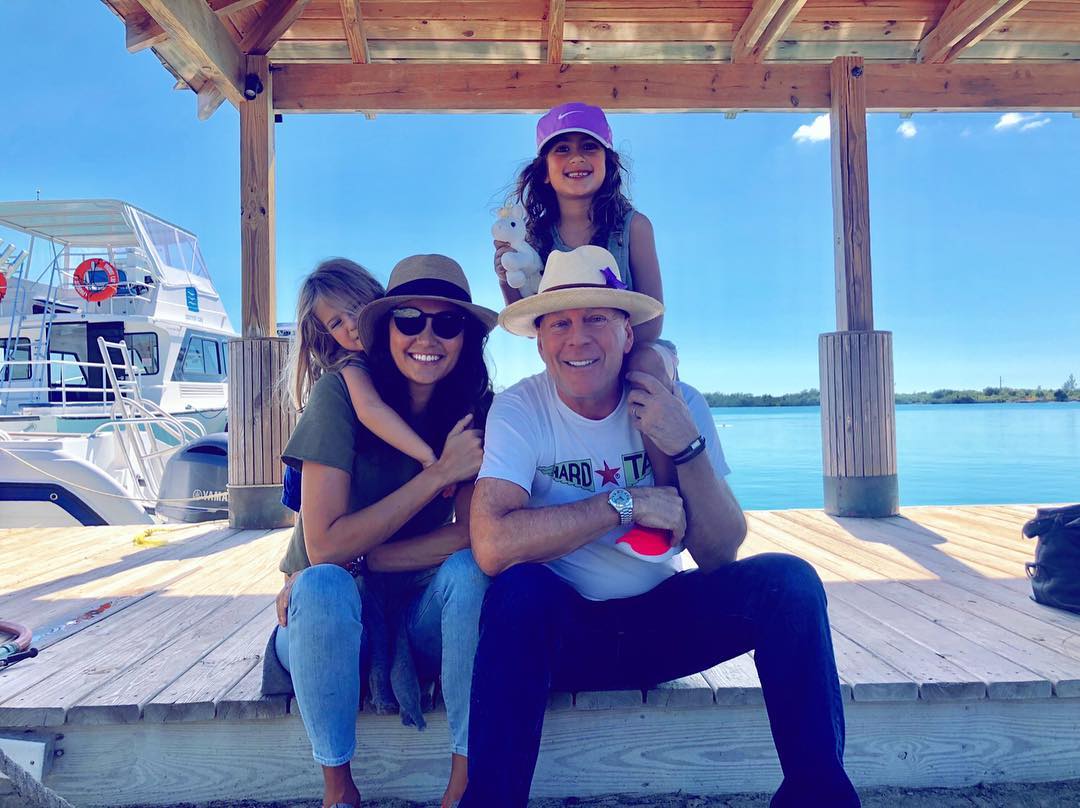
pixel 148 680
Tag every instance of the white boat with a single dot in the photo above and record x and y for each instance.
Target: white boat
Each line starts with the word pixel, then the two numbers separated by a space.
pixel 113 369
pixel 104 268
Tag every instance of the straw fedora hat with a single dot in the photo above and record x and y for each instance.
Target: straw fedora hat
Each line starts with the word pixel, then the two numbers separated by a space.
pixel 425 277
pixel 585 278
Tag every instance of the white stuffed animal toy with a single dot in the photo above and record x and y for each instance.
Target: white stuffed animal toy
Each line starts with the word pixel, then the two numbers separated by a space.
pixel 522 263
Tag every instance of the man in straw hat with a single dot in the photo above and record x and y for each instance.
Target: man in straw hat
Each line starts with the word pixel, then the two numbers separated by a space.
pixel 565 477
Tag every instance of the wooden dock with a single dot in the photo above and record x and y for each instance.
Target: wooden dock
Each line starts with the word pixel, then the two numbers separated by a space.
pixel 147 687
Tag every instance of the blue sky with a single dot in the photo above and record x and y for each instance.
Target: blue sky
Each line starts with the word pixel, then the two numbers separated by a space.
pixel 974 217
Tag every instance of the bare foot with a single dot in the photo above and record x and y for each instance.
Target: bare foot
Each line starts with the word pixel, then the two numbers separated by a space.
pixel 459 779
pixel 338 787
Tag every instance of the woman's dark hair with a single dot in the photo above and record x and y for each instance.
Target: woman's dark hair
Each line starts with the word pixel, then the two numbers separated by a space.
pixel 465 389
pixel 610 203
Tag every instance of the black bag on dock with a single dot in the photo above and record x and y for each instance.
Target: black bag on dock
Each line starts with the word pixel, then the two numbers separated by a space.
pixel 1055 572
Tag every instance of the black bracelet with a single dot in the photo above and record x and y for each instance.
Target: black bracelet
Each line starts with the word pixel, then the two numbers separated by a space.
pixel 696 447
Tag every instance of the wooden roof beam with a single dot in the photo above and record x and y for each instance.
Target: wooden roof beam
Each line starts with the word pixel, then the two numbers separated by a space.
pixel 555 24
pixel 194 27
pixel 354 31
pixel 207 100
pixel 892 87
pixel 964 23
pixel 144 32
pixel 272 23
pixel 768 21
pixel 328 87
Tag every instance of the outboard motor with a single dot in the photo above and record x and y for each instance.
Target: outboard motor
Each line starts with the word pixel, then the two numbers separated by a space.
pixel 198 472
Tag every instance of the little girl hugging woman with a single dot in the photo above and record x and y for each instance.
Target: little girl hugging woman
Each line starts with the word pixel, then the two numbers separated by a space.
pixel 573 195
pixel 331 299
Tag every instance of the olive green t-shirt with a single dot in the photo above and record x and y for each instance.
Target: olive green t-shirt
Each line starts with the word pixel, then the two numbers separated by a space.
pixel 329 433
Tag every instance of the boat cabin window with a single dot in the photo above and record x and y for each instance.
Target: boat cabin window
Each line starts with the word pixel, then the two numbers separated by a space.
pixel 175 247
pixel 143 348
pixel 202 359
pixel 20 352
pixel 67 344
pixel 62 374
pixel 78 342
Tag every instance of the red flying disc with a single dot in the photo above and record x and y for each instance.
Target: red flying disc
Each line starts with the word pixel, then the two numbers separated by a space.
pixel 647 541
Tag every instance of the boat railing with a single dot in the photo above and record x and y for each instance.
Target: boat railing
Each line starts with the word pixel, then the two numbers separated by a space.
pixel 138 421
pixel 62 388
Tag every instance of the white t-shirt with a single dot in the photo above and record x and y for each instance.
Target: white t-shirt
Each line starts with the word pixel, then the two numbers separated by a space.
pixel 534 440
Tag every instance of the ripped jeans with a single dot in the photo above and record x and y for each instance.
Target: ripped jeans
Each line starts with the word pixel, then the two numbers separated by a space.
pixel 320 648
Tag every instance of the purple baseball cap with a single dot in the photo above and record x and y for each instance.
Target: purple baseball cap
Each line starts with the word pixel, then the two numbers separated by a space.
pixel 573 117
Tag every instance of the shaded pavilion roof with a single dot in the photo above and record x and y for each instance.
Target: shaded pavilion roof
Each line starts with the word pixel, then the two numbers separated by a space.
pixel 486 31
pixel 474 33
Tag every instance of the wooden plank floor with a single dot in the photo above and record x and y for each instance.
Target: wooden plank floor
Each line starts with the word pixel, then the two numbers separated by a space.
pixel 931 608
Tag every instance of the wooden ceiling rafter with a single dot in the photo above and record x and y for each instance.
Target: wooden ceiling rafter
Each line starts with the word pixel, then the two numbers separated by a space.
pixel 193 27
pixel 555 31
pixel 354 31
pixel 272 23
pixel 766 24
pixel 227 7
pixel 964 23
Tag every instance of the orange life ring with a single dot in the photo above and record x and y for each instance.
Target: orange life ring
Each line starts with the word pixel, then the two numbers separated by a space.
pixel 91 289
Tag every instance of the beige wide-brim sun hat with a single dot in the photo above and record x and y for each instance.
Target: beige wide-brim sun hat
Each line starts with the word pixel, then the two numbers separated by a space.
pixel 423 277
pixel 585 278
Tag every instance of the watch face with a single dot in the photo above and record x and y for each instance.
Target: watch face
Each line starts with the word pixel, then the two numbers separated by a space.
pixel 620 498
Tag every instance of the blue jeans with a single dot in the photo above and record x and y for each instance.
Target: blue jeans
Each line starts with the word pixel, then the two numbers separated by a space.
pixel 538 633
pixel 321 649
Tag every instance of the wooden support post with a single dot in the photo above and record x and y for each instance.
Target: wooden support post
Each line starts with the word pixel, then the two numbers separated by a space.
pixel 858 423
pixel 851 195
pixel 260 422
pixel 261 419
pixel 858 412
pixel 257 206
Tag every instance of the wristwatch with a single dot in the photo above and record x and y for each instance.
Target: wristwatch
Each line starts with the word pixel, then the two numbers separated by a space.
pixel 623 502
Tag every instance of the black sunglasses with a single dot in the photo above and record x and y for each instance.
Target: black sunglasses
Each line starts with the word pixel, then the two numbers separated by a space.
pixel 445 324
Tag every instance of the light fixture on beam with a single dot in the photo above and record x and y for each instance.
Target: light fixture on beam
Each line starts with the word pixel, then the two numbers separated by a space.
pixel 252 86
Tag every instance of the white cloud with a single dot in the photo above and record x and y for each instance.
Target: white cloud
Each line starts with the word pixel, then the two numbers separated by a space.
pixel 1020 121
pixel 907 129
pixel 1009 120
pixel 814 132
pixel 1026 121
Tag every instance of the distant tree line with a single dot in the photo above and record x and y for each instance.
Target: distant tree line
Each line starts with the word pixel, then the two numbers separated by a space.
pixel 806 398
pixel 988 395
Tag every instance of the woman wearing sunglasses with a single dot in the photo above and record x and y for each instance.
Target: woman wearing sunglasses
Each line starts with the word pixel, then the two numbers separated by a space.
pixel 372 521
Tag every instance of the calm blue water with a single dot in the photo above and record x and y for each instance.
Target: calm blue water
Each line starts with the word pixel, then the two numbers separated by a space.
pixel 947 454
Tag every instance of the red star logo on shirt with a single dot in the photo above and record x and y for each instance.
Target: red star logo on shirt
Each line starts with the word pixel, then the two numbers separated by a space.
pixel 609 476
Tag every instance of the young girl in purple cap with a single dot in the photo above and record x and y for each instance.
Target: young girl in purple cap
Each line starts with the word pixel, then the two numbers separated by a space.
pixel 573 195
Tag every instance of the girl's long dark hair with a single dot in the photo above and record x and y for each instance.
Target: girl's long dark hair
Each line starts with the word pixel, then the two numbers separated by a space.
pixel 610 203
pixel 466 389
